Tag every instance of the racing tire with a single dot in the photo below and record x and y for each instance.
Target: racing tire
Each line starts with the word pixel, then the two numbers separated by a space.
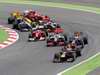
pixel 10 20
pixel 78 53
pixel 15 26
pixel 65 37
pixel 57 58
pixel 49 46
pixel 85 40
pixel 73 58
pixel 30 36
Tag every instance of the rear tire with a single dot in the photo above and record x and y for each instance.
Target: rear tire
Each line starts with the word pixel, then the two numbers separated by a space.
pixel 85 40
pixel 78 53
pixel 72 58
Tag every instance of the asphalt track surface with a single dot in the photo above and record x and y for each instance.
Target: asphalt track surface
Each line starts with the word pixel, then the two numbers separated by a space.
pixel 23 58
pixel 91 3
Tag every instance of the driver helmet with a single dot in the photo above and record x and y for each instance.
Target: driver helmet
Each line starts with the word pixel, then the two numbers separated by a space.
pixel 26 12
pixel 69 47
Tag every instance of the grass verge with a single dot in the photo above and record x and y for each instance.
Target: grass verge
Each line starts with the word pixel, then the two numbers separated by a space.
pixel 3 35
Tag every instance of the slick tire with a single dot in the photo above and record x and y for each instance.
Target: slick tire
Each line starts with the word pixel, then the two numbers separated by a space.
pixel 73 58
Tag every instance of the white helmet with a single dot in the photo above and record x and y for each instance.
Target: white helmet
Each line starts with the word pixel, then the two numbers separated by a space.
pixel 26 12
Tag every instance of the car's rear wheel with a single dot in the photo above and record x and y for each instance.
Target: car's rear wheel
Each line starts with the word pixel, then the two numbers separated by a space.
pixel 85 40
pixel 78 53
pixel 72 58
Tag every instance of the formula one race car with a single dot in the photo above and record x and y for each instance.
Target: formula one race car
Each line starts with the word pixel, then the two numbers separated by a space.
pixel 53 29
pixel 80 41
pixel 37 35
pixel 56 40
pixel 64 56
pixel 22 24
pixel 69 54
pixel 34 16
pixel 79 36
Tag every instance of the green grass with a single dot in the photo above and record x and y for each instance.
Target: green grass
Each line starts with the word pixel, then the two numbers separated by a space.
pixel 85 68
pixel 3 35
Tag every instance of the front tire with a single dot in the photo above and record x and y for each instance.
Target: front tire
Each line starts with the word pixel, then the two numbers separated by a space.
pixel 10 20
pixel 56 58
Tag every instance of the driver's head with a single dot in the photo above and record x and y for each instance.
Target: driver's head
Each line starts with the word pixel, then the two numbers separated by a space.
pixel 69 45
pixel 73 44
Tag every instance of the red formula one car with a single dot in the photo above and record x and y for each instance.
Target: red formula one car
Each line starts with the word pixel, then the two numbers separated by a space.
pixel 33 15
pixel 53 28
pixel 37 35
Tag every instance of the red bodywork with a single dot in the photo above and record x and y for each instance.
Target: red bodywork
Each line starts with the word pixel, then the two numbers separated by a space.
pixel 58 30
pixel 46 18
pixel 32 15
pixel 52 43
pixel 59 42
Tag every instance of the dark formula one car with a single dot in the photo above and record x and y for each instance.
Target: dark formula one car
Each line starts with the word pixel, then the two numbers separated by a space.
pixel 79 36
pixel 64 56
pixel 69 54
pixel 22 25
pixel 16 23
pixel 56 40
pixel 37 35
